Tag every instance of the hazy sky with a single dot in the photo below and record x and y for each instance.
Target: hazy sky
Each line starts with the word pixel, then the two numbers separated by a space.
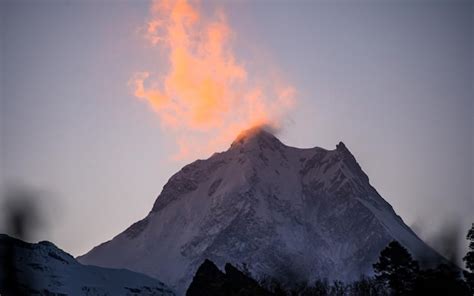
pixel 393 80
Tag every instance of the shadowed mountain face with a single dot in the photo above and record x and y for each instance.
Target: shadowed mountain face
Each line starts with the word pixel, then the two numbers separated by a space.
pixel 288 213
pixel 44 269
pixel 210 281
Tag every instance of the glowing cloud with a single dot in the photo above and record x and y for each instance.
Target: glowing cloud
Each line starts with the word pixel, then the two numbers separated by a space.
pixel 204 96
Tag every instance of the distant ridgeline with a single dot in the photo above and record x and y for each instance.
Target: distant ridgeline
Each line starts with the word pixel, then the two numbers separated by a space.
pixel 44 269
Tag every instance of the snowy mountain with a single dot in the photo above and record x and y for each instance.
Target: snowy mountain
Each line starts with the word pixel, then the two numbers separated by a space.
pixel 289 213
pixel 44 269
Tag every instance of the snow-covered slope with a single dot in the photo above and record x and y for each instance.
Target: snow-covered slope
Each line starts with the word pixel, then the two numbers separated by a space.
pixel 44 269
pixel 294 214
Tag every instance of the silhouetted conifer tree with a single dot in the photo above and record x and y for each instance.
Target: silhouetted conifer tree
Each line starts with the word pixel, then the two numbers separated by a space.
pixel 396 269
pixel 469 260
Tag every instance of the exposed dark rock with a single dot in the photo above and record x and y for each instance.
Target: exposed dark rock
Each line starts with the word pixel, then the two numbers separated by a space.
pixel 214 187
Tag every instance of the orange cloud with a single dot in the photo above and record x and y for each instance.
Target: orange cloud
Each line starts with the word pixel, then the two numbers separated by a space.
pixel 205 94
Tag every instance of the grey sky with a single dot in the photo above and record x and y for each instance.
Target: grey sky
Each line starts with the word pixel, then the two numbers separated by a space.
pixel 393 80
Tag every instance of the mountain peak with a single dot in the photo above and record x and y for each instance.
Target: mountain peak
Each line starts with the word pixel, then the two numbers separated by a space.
pixel 344 151
pixel 342 148
pixel 258 134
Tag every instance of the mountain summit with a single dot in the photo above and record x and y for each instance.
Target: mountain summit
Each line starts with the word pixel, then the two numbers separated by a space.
pixel 288 213
pixel 255 135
